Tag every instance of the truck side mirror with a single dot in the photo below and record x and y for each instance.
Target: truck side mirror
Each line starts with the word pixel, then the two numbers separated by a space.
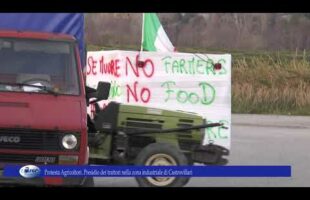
pixel 103 90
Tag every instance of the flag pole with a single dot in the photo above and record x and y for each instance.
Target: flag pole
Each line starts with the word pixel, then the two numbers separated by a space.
pixel 139 62
pixel 142 35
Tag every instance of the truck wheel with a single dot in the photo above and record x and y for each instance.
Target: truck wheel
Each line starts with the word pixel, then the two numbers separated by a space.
pixel 161 154
pixel 89 182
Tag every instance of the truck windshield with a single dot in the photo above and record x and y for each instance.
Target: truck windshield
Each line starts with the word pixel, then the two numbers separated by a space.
pixel 44 64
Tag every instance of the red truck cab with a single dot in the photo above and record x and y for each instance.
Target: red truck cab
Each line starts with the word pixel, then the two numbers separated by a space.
pixel 43 117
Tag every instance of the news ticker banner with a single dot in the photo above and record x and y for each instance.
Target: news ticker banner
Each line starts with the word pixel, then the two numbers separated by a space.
pixel 196 83
pixel 32 171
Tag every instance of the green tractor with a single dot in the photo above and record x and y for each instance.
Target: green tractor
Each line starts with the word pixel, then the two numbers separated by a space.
pixel 136 135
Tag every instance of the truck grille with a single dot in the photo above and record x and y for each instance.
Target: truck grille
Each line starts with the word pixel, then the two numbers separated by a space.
pixel 27 159
pixel 31 140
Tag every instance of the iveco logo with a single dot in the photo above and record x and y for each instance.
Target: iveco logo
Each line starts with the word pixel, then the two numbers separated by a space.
pixel 9 139
pixel 29 171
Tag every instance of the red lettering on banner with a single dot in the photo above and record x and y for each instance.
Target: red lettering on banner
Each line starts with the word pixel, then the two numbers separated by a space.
pixel 91 66
pixel 104 105
pixel 145 93
pixel 117 68
pixel 148 95
pixel 135 68
pixel 133 93
pixel 148 62
pixel 93 109
pixel 112 67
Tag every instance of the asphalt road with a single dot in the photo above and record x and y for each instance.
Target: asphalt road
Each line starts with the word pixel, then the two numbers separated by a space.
pixel 257 140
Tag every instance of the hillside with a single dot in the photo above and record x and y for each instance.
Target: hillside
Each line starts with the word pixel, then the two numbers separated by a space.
pixel 263 31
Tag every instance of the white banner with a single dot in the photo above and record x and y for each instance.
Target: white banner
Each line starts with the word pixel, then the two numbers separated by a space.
pixel 199 83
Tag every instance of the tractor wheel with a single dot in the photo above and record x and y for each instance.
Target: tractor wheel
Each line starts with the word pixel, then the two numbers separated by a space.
pixel 161 154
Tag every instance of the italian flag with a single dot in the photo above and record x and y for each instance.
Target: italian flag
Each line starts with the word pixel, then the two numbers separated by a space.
pixel 154 37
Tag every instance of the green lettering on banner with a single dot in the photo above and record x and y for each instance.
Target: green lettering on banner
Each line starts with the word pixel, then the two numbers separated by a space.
pixel 166 63
pixel 196 97
pixel 217 132
pixel 199 66
pixel 115 90
pixel 211 134
pixel 182 96
pixel 220 130
pixel 168 91
pixel 205 97
pixel 175 67
pixel 207 88
pixel 223 71
pixel 182 66
pixel 193 66
pixel 210 67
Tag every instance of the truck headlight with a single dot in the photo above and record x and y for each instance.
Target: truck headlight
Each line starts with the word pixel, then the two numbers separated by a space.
pixel 69 141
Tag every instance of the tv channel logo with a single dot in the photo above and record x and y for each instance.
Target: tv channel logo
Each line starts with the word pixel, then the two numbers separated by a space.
pixel 29 171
